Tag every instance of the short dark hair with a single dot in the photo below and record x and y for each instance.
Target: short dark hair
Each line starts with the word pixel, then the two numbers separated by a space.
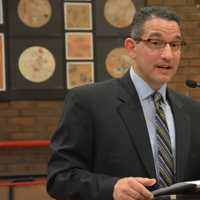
pixel 148 13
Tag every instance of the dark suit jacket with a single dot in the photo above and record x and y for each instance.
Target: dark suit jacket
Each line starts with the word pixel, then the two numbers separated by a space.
pixel 102 136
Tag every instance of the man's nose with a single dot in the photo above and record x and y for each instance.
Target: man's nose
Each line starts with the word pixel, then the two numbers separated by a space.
pixel 167 52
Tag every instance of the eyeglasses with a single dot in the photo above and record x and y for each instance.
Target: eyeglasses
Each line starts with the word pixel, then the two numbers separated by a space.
pixel 161 44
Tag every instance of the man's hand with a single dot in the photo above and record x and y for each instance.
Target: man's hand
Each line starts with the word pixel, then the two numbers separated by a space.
pixel 132 188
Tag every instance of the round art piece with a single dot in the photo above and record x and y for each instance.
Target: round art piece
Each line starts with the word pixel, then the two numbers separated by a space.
pixel 34 13
pixel 37 64
pixel 118 62
pixel 119 13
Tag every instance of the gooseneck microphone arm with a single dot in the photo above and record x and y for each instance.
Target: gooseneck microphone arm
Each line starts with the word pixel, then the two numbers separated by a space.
pixel 192 84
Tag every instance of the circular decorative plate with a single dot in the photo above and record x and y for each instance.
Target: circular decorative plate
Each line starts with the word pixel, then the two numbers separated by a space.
pixel 118 62
pixel 36 64
pixel 34 13
pixel 119 13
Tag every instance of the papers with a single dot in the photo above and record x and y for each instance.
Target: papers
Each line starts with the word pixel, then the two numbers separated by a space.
pixel 179 188
pixel 197 183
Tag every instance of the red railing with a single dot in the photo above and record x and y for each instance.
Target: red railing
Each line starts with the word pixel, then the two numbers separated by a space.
pixel 24 143
pixel 11 184
pixel 6 183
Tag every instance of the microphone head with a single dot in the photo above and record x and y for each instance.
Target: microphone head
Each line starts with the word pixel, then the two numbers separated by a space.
pixel 191 83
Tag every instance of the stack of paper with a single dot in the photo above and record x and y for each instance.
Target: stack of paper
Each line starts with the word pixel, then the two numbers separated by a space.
pixel 179 188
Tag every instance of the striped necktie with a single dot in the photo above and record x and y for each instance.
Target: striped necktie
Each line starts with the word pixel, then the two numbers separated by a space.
pixel 165 156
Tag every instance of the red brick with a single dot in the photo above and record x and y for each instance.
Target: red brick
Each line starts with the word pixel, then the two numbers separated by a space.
pixel 10 129
pixel 180 87
pixel 194 70
pixel 51 129
pixel 174 2
pixel 191 2
pixel 4 105
pixel 184 63
pixel 195 62
pixel 40 112
pixel 155 2
pixel 22 104
pixel 191 16
pixel 179 78
pixel 8 113
pixel 50 104
pixel 185 9
pixel 191 51
pixel 195 93
pixel 22 121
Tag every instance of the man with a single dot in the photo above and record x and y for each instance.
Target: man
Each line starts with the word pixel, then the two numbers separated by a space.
pixel 115 140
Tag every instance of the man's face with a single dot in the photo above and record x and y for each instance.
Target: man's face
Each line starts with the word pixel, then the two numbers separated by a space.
pixel 156 65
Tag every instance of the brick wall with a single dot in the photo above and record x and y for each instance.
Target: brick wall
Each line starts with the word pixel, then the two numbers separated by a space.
pixel 27 120
pixel 38 119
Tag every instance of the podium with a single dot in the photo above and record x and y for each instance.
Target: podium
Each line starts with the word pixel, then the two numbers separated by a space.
pixel 194 196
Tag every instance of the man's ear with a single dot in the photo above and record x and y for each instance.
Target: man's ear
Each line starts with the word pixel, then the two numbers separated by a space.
pixel 129 44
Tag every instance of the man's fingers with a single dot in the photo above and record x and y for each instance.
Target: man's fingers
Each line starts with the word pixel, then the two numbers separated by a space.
pixel 124 191
pixel 133 194
pixel 133 188
pixel 140 187
pixel 146 181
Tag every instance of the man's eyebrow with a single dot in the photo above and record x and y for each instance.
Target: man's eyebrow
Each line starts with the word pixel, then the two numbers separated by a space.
pixel 179 37
pixel 155 34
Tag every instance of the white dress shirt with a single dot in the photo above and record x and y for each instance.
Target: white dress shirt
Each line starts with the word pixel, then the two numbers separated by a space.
pixel 145 95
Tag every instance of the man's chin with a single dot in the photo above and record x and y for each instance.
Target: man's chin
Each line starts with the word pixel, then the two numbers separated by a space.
pixel 164 79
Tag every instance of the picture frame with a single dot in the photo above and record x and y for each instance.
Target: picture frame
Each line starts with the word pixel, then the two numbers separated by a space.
pixel 35 22
pixel 78 16
pixel 79 73
pixel 79 46
pixel 103 48
pixel 51 87
pixel 118 12
pixel 1 12
pixel 2 63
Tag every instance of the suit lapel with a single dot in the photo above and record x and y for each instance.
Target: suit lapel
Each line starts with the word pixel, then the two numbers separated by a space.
pixel 182 124
pixel 132 115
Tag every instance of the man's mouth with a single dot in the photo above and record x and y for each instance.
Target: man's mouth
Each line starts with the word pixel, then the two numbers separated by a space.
pixel 164 67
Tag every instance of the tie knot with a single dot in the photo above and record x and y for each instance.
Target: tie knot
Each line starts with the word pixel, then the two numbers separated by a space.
pixel 157 97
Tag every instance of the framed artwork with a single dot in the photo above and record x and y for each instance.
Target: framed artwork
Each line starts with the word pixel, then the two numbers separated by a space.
pixel 79 73
pixel 78 0
pixel 118 62
pixel 78 16
pixel 1 12
pixel 79 45
pixel 114 17
pixel 32 52
pixel 54 47
pixel 34 14
pixel 35 17
pixel 2 64
pixel 112 59
pixel 37 64
pixel 36 67
pixel 118 13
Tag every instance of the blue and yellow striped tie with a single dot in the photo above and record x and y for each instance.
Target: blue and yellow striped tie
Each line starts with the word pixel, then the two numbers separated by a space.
pixel 165 156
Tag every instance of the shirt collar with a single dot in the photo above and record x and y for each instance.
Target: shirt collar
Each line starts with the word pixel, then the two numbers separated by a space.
pixel 143 88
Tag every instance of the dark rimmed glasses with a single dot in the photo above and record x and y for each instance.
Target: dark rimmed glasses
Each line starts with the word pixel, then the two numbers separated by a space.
pixel 159 44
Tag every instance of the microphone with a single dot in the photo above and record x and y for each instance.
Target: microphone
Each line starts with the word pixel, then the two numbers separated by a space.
pixel 192 84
